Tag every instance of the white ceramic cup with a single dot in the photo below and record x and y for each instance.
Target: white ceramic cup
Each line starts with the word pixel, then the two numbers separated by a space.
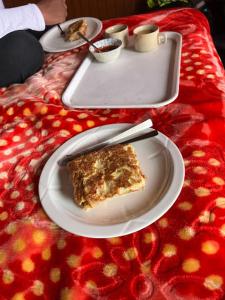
pixel 148 38
pixel 118 31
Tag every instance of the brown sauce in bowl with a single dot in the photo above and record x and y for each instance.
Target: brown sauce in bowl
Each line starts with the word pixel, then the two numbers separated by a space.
pixel 107 48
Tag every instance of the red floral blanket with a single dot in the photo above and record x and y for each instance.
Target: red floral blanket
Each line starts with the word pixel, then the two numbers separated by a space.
pixel 181 256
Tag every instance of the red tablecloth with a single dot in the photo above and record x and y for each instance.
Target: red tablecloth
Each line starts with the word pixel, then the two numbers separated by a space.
pixel 181 256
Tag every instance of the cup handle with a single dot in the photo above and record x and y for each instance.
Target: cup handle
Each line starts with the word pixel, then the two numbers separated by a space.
pixel 162 38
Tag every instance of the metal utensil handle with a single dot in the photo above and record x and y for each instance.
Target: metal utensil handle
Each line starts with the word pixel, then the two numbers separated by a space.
pixel 131 131
pixel 121 137
pixel 131 140
pixel 141 137
pixel 62 32
pixel 89 42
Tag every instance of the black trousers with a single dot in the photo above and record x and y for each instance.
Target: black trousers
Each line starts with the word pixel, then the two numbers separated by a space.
pixel 21 55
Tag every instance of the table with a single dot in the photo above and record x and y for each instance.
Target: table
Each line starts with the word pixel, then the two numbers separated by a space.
pixel 181 256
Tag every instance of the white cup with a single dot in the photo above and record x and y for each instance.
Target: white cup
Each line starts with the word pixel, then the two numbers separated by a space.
pixel 148 38
pixel 118 31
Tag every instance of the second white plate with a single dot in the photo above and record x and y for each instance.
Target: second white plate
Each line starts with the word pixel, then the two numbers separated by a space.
pixel 52 40
pixel 160 161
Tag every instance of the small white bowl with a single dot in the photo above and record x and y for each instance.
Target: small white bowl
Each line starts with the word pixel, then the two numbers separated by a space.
pixel 109 55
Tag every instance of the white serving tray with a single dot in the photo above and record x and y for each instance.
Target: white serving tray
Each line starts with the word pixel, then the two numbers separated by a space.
pixel 134 80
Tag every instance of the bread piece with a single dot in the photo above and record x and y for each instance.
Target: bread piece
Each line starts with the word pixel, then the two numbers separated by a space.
pixel 71 32
pixel 104 174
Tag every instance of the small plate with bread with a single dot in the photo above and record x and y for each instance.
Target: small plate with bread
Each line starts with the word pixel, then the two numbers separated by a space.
pixel 54 41
pixel 113 191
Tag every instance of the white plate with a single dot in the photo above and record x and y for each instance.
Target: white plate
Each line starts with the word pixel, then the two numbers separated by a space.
pixel 133 80
pixel 52 40
pixel 160 161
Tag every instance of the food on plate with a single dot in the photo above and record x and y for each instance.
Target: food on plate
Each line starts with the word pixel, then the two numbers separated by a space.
pixel 71 32
pixel 105 173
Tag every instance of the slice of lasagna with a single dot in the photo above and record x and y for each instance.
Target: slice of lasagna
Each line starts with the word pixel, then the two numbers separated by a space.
pixel 104 174
pixel 71 32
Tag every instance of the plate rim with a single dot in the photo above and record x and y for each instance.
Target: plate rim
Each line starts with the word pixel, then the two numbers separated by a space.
pixel 118 229
pixel 50 50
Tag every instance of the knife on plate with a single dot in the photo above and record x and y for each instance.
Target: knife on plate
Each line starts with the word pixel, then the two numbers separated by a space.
pixel 103 145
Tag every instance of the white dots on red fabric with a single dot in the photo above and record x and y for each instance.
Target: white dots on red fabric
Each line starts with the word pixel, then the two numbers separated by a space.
pixel 29 132
pixel 185 54
pixel 33 163
pixel 199 170
pixel 3 175
pixel 16 138
pixel 50 117
pixel 7 152
pixel 186 162
pixel 14 194
pixel 13 160
pixel 25 177
pixel 34 139
pixel 10 111
pixel 197 63
pixel 26 153
pixel 190 77
pixel 63 112
pixel 34 199
pixel 51 141
pixel 188 69
pixel 3 142
pixel 39 124
pixel 30 187
pixel 208 67
pixel 200 72
pixel 198 153
pixel 191 265
pixel 202 192
pixel 90 123
pixel 44 132
pixel 21 146
pixel 10 130
pixel 23 125
pixel 40 148
pixel 19 169
pixel 77 127
pixel 218 180
pixel 103 119
pixel 210 76
pixel 187 182
pixel 64 133
pixel 82 116
pixel 195 55
pixel 20 103
pixel 186 61
pixel 20 206
pixel 69 119
pixel 56 124
pixel 213 282
pixel 185 206
pixel 8 186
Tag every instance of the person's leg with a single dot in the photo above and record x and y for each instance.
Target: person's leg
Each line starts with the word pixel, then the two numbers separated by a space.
pixel 21 55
